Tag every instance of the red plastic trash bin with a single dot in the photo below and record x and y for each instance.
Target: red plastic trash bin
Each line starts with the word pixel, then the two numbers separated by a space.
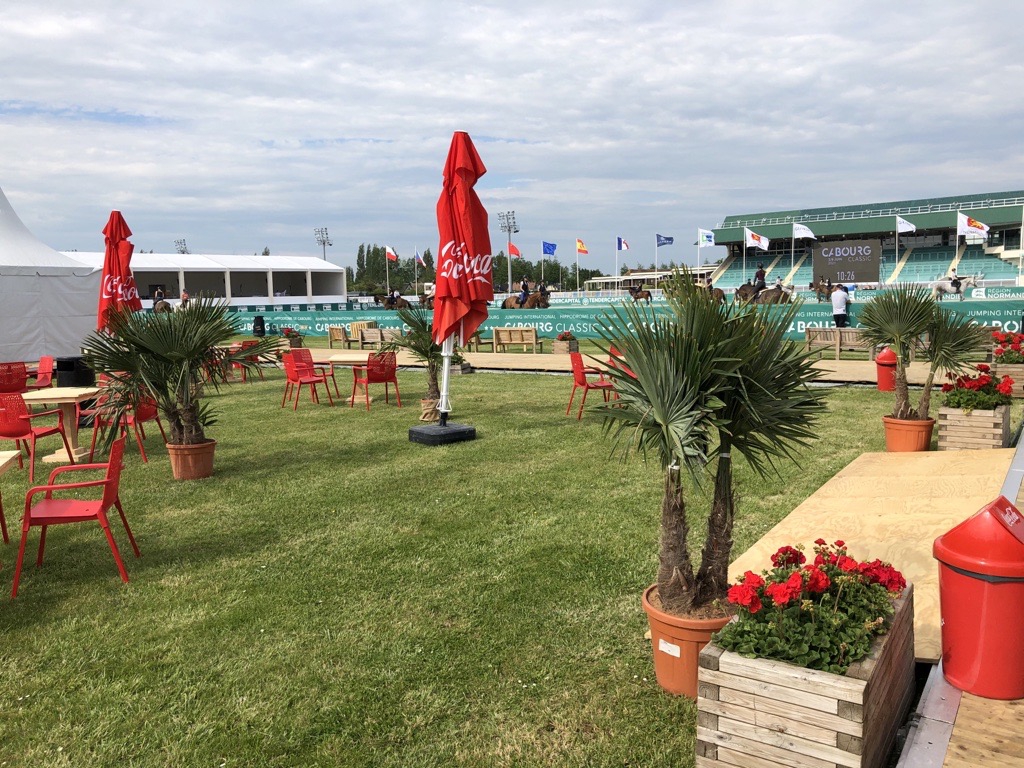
pixel 981 601
pixel 885 363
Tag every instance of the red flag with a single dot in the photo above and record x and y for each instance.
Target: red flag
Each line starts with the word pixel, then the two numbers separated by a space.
pixel 464 281
pixel 513 251
pixel 390 253
pixel 117 285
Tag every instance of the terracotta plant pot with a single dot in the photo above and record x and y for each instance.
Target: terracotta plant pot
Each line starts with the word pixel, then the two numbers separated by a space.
pixel 907 434
pixel 677 642
pixel 192 462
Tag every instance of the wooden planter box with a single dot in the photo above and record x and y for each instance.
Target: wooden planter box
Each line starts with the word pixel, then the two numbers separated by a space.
pixel 959 429
pixel 761 712
pixel 1015 371
pixel 565 347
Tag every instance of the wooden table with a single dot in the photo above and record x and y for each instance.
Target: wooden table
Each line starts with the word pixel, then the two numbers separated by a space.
pixel 65 398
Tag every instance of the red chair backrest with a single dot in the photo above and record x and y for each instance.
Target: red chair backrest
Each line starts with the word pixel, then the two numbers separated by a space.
pixel 44 376
pixel 14 416
pixel 381 367
pixel 576 358
pixel 114 467
pixel 303 360
pixel 289 366
pixel 145 410
pixel 13 377
pixel 249 345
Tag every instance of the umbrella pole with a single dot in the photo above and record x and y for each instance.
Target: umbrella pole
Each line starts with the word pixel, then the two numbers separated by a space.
pixel 444 406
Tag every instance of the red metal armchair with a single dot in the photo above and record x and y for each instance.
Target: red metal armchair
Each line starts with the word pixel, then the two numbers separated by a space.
pixel 135 418
pixel 13 377
pixel 580 381
pixel 299 375
pixel 253 359
pixel 381 368
pixel 52 511
pixel 44 374
pixel 305 357
pixel 16 425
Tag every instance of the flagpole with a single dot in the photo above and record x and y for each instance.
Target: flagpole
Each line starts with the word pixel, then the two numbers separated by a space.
pixel 792 247
pixel 616 256
pixel 415 271
pixel 577 268
pixel 542 261
pixel 896 260
pixel 698 251
pixel 655 258
pixel 387 273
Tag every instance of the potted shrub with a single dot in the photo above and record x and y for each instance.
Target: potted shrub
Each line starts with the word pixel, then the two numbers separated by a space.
pixel 172 359
pixel 1008 357
pixel 565 343
pixel 292 336
pixel 419 342
pixel 975 410
pixel 908 318
pixel 697 386
pixel 831 646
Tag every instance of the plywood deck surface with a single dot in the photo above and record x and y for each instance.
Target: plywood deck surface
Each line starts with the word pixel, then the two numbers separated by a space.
pixel 987 733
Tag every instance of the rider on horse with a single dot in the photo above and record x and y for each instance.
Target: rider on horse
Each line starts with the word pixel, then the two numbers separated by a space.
pixel 954 280
pixel 759 278
pixel 524 291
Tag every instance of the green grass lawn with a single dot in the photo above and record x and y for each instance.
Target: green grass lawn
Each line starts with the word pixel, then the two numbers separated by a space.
pixel 338 596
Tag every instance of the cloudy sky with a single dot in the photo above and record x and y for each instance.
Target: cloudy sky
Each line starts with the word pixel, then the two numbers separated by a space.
pixel 239 125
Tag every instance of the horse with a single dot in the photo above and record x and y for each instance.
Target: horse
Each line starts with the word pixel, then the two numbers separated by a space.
pixel 777 294
pixel 533 301
pixel 942 287
pixel 717 293
pixel 162 307
pixel 427 302
pixel 639 294
pixel 393 303
pixel 823 291
pixel 745 292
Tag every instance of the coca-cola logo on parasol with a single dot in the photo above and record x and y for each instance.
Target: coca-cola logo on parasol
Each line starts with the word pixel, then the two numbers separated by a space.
pixel 455 263
pixel 114 286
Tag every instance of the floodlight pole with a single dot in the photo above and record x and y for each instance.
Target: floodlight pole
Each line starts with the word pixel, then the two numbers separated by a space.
pixel 322 239
pixel 181 246
pixel 508 226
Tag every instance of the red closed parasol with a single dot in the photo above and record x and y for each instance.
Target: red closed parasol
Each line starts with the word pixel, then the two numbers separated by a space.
pixel 464 281
pixel 117 286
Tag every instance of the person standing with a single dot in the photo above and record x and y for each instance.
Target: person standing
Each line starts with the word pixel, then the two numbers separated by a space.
pixel 840 300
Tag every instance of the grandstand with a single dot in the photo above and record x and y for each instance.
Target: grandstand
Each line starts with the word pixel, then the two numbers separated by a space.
pixel 925 255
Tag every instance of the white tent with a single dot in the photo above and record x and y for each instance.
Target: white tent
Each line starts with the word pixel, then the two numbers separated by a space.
pixel 47 300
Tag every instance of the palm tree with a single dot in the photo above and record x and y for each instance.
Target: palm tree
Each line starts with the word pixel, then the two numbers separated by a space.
pixel 706 381
pixel 419 341
pixel 904 316
pixel 172 358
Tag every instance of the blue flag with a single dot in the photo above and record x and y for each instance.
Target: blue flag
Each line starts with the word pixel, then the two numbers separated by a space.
pixel 549 249
pixel 662 240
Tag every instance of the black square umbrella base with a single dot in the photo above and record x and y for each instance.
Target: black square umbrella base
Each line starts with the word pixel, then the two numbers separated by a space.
pixel 435 434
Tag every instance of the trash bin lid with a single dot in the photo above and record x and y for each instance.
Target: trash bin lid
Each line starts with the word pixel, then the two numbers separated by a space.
pixel 886 357
pixel 990 542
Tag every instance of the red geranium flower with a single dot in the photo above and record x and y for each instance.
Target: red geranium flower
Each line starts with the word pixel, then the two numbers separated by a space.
pixel 745 595
pixel 817 580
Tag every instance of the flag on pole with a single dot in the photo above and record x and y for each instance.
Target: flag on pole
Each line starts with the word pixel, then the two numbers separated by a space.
pixel 802 230
pixel 621 245
pixel 754 240
pixel 513 251
pixel 549 248
pixel 965 225
pixel 581 249
pixel 662 240
pixel 705 237
pixel 390 253
pixel 902 225
pixel 419 258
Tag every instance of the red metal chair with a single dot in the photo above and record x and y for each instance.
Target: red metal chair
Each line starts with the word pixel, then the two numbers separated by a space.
pixel 143 412
pixel 297 376
pixel 44 373
pixel 381 368
pixel 16 425
pixel 13 377
pixel 580 381
pixel 50 511
pixel 235 365
pixel 305 357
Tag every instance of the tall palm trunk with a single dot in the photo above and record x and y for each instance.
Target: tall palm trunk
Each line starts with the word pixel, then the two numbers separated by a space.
pixel 713 576
pixel 675 573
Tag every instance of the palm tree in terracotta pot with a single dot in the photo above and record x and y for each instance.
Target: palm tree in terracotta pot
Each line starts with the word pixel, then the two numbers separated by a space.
pixel 171 359
pixel 697 386
pixel 909 318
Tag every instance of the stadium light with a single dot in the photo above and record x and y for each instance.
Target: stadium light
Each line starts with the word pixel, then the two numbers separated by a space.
pixel 508 226
pixel 322 239
pixel 181 246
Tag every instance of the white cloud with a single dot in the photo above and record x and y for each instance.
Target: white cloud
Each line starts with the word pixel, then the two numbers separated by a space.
pixel 240 126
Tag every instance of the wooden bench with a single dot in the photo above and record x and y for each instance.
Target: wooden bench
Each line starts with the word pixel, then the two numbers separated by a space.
pixel 371 337
pixel 839 340
pixel 474 342
pixel 338 333
pixel 527 337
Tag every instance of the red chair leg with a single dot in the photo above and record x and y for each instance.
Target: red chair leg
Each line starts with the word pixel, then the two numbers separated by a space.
pixel 571 396
pixel 42 545
pixel 128 530
pixel 21 556
pixel 138 439
pixel 582 403
pixel 105 525
pixel 398 395
pixel 3 520
pixel 160 424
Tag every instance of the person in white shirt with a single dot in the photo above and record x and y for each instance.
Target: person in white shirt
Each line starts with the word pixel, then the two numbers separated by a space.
pixel 840 299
